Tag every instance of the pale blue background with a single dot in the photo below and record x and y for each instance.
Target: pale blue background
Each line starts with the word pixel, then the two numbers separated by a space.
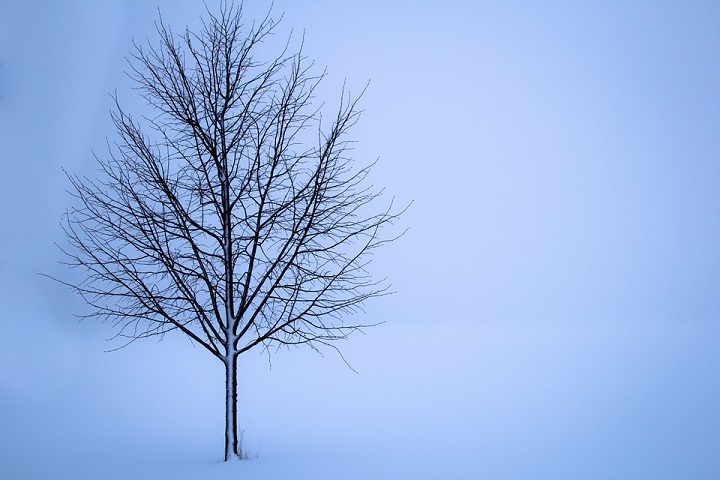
pixel 558 305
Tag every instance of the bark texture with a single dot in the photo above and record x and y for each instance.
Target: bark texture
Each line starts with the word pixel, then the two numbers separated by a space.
pixel 232 446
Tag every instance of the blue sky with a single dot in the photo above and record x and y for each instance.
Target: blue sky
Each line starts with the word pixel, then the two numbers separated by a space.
pixel 558 305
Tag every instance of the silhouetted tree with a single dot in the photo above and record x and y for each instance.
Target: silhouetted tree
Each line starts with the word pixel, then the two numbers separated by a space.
pixel 233 215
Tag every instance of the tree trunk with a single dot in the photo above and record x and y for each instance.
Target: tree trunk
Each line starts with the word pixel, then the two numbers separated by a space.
pixel 231 430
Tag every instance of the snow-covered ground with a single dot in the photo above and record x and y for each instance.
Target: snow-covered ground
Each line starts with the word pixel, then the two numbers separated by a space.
pixel 445 400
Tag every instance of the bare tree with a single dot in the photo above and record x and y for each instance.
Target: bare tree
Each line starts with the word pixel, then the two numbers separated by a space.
pixel 234 215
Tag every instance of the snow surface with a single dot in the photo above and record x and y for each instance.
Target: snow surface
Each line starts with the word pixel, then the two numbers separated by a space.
pixel 452 401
